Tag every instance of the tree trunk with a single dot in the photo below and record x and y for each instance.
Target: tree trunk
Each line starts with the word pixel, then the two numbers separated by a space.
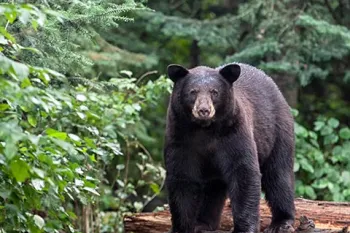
pixel 195 54
pixel 327 216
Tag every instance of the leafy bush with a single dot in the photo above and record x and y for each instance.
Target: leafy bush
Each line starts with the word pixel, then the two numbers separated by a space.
pixel 58 135
pixel 322 162
pixel 78 152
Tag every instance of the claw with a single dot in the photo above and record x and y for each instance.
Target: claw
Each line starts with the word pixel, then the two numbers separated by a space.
pixel 282 228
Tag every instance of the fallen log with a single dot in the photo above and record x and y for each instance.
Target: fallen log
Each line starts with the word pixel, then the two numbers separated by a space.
pixel 327 217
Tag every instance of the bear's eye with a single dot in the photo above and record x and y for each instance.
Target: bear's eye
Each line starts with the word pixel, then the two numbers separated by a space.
pixel 193 91
pixel 214 92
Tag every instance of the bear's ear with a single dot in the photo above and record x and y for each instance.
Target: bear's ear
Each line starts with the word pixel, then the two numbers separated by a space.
pixel 176 72
pixel 230 72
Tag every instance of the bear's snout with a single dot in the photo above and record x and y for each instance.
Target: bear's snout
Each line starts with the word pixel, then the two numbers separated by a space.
pixel 203 112
pixel 203 108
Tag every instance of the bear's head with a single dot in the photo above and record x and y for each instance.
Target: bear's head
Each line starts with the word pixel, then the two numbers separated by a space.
pixel 203 94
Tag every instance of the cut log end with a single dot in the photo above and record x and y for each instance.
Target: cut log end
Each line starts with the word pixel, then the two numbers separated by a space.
pixel 322 217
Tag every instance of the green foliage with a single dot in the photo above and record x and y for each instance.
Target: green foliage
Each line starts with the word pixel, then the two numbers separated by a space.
pixel 81 135
pixel 322 162
pixel 58 134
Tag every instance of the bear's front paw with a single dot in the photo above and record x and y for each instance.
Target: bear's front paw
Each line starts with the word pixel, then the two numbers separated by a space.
pixel 280 228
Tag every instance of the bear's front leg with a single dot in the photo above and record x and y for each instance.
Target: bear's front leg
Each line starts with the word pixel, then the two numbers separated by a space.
pixel 184 201
pixel 242 174
pixel 244 193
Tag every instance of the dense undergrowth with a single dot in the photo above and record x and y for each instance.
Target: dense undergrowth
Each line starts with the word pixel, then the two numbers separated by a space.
pixel 75 147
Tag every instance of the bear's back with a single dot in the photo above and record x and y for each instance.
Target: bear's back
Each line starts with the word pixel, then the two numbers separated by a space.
pixel 269 112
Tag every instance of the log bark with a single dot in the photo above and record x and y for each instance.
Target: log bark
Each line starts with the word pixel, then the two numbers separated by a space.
pixel 326 217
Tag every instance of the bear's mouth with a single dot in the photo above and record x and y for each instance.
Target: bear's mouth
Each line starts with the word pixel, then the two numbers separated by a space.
pixel 203 122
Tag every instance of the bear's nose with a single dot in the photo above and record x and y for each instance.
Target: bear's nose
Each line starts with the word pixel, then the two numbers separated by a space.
pixel 203 112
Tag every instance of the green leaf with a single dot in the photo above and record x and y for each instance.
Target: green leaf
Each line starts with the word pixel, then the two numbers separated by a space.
pixel 24 16
pixel 65 146
pixel 346 178
pixel 21 70
pixel 74 137
pixel 35 25
pixel 155 188
pixel 330 139
pixel 309 191
pixel 334 123
pixel 320 184
pixel 56 134
pixel 19 170
pixel 89 142
pixel 7 35
pixel 11 15
pixel 296 166
pixel 306 166
pixel 319 125
pixel 39 221
pixel 127 72
pixel 81 97
pixel 91 190
pixel 39 172
pixel 25 83
pixel 38 184
pixel 300 131
pixel 344 133
pixel 138 205
pixel 32 120
pixel 326 130
pixel 120 167
pixel 4 107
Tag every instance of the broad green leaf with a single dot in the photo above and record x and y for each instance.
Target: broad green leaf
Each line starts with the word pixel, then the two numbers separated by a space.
pixel 19 170
pixel 326 130
pixel 91 190
pixel 330 139
pixel 138 205
pixel 8 36
pixel 35 25
pixel 90 142
pixel 56 134
pixel 38 184
pixel 155 188
pixel 39 221
pixel 127 72
pixel 296 166
pixel 65 146
pixel 11 149
pixel 309 191
pixel 4 107
pixel 25 83
pixel 300 131
pixel 3 40
pixel 74 137
pixel 306 166
pixel 319 125
pixel 32 120
pixel 120 166
pixel 81 97
pixel 81 115
pixel 346 178
pixel 21 70
pixel 11 15
pixel 334 123
pixel 344 133
pixel 320 184
pixel 39 172
pixel 24 16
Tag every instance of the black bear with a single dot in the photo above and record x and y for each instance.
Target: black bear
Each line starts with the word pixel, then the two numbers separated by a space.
pixel 230 133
